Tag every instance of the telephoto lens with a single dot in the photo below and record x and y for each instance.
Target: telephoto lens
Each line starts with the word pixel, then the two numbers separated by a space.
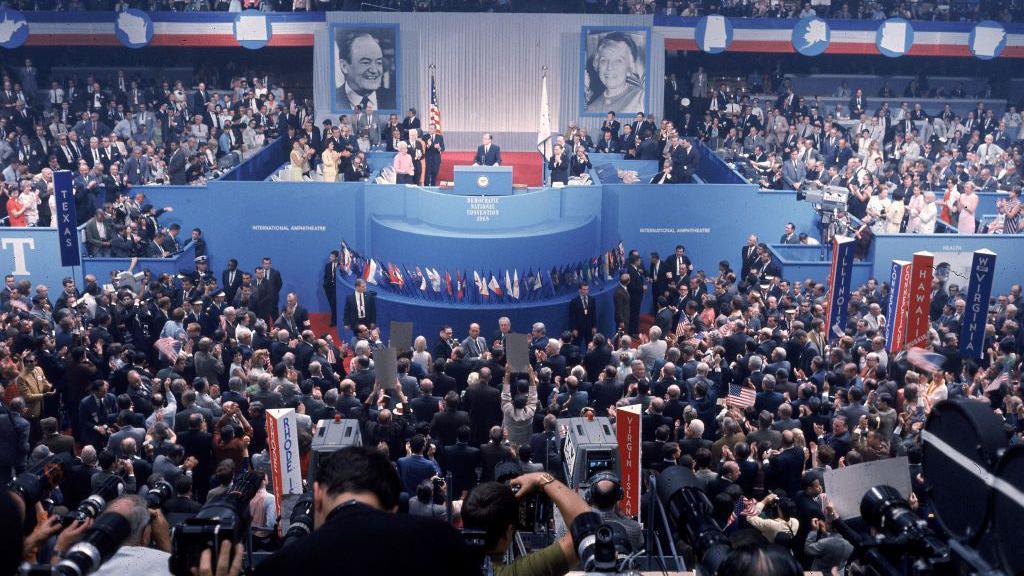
pixel 97 545
pixel 158 493
pixel 92 506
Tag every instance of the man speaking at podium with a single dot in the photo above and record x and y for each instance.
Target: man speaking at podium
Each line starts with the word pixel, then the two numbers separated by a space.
pixel 487 154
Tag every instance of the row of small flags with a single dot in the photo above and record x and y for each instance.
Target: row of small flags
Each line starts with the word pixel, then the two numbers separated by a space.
pixel 476 287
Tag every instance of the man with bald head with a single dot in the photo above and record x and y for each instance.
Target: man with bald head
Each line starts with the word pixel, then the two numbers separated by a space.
pixel 475 345
pixel 785 467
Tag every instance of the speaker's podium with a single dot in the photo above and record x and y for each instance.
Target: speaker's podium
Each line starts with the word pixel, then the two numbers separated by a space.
pixel 483 180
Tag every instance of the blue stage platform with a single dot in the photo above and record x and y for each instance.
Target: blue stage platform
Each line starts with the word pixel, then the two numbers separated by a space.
pixel 298 223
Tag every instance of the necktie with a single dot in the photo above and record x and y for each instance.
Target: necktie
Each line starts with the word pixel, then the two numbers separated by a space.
pixel 584 305
pixel 359 301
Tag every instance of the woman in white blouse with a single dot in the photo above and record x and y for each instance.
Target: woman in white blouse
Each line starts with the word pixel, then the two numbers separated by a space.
pixel 420 354
pixel 929 213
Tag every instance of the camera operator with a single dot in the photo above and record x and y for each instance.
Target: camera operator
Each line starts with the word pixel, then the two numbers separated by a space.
pixel 605 493
pixel 494 507
pixel 430 499
pixel 355 494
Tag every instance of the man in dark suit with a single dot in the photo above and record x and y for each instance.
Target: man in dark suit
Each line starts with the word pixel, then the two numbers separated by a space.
pixel 858 104
pixel 360 307
pixel 684 162
pixel 410 122
pixel 231 280
pixel 261 301
pixel 785 468
pixel 583 316
pixel 97 412
pixel 435 147
pixel 461 461
pixel 176 166
pixel 362 64
pixel 648 148
pixel 330 284
pixel 198 443
pixel 200 98
pixel 636 293
pixel 273 276
pixel 487 154
pixel 621 300
pixel 559 165
pixel 748 256
pixel 483 402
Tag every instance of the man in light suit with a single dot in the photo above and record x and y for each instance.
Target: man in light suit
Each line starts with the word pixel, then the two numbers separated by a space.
pixel 794 171
pixel 487 154
pixel 97 235
pixel 475 345
pixel 368 121
pixel 137 168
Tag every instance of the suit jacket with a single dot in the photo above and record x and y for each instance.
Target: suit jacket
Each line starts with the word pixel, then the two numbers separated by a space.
pixel 262 299
pixel 461 461
pixel 93 238
pixel 559 169
pixel 230 287
pixel 647 150
pixel 621 300
pixel 491 157
pixel 176 167
pixel 583 320
pixel 352 317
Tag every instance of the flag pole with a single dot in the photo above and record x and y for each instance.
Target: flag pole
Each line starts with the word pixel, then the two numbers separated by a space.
pixel 544 124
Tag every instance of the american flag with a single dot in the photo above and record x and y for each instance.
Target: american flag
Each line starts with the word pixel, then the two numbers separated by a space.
pixel 741 397
pixel 998 381
pixel 435 110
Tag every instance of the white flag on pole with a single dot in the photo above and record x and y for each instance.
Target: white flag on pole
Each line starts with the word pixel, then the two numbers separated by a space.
pixel 544 126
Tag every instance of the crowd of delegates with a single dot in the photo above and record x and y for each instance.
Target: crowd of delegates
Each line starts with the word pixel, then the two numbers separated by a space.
pixel 641 137
pixel 130 132
pixel 337 151
pixel 169 379
pixel 905 170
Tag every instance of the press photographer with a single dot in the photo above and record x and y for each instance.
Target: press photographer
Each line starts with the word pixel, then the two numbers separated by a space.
pixel 355 496
pixel 493 508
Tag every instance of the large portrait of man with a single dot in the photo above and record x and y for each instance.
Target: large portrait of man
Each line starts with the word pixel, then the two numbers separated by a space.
pixel 366 67
pixel 614 70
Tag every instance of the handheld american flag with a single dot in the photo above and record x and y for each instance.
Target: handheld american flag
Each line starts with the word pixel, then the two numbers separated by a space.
pixel 435 108
pixel 741 397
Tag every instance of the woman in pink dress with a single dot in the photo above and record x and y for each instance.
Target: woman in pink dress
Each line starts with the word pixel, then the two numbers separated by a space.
pixel 968 204
pixel 915 207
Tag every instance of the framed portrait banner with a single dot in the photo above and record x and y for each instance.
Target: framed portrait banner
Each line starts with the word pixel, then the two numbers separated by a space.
pixel 614 70
pixel 366 67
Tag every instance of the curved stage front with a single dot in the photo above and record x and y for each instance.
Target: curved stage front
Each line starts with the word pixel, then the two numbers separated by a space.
pixel 538 228
pixel 428 316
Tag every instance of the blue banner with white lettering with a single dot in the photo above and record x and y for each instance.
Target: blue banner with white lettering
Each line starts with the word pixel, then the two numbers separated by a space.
pixel 839 286
pixel 67 219
pixel 972 332
pixel 897 289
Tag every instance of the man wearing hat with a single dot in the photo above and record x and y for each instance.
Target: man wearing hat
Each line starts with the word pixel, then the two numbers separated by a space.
pixel 201 275
pixel 210 318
